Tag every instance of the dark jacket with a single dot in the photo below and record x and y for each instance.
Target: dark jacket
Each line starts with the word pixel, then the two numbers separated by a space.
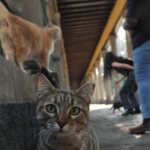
pixel 138 21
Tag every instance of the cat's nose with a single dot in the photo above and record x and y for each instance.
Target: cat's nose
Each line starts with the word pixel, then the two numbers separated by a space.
pixel 61 124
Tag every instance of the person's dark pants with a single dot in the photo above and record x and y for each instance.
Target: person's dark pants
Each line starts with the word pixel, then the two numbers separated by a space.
pixel 127 91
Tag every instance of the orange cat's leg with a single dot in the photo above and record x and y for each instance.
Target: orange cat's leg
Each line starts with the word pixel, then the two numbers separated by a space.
pixel 7 45
pixel 10 57
pixel 19 64
pixel 20 56
pixel 39 62
pixel 45 61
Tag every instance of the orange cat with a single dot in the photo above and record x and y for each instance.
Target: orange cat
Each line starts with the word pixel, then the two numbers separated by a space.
pixel 23 40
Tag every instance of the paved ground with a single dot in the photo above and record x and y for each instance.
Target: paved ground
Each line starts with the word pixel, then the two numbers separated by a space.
pixel 112 129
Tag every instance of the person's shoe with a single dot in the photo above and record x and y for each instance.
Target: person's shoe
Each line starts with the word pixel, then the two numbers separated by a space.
pixel 128 112
pixel 137 111
pixel 141 128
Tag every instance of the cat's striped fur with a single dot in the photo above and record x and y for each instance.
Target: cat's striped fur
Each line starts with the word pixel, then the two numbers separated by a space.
pixel 76 133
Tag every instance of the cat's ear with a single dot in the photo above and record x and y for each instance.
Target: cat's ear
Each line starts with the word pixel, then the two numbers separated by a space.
pixel 87 89
pixel 49 23
pixel 43 86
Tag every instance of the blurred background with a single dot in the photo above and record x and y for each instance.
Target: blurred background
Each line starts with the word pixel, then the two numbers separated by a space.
pixel 90 29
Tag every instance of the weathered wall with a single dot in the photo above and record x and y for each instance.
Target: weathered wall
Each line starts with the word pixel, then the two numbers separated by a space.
pixel 17 108
pixel 15 85
pixel 17 91
pixel 27 9
pixel 18 126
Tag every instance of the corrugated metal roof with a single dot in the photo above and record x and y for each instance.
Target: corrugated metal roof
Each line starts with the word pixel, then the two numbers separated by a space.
pixel 83 22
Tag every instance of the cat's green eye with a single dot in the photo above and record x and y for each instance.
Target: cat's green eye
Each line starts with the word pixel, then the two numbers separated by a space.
pixel 75 111
pixel 51 108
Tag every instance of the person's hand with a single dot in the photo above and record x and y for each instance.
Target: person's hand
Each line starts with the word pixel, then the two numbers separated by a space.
pixel 117 81
pixel 130 59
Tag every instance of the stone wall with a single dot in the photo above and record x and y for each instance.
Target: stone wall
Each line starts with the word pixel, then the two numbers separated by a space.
pixel 15 85
pixel 18 126
pixel 27 9
pixel 17 91
pixel 17 108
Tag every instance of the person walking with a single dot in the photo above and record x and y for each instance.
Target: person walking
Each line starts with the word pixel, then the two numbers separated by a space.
pixel 124 67
pixel 138 22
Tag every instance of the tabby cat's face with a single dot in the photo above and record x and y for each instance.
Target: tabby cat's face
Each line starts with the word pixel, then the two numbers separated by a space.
pixel 62 112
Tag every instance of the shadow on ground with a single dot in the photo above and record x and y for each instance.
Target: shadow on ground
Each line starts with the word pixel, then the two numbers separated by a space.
pixel 112 129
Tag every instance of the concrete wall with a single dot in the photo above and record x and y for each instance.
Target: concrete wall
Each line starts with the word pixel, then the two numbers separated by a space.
pixel 27 9
pixel 17 91
pixel 17 108
pixel 15 85
pixel 17 126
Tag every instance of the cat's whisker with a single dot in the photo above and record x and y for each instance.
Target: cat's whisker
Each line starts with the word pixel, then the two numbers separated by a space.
pixel 31 140
pixel 46 135
pixel 87 134
pixel 41 143
pixel 31 131
pixel 75 136
pixel 72 140
pixel 49 136
pixel 81 140
pixel 50 128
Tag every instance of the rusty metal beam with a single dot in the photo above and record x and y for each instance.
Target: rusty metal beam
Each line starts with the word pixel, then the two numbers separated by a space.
pixel 80 48
pixel 84 14
pixel 83 40
pixel 75 1
pixel 102 21
pixel 86 4
pixel 82 29
pixel 66 11
pixel 82 26
pixel 84 33
pixel 85 30
pixel 91 18
pixel 79 53
pixel 79 61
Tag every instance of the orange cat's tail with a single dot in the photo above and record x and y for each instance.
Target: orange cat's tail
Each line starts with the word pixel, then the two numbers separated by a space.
pixel 3 11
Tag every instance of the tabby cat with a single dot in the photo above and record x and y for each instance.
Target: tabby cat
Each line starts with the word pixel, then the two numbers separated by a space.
pixel 23 40
pixel 63 116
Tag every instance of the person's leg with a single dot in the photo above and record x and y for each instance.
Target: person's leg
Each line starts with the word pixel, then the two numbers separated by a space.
pixel 124 100
pixel 124 96
pixel 142 75
pixel 135 104
pixel 132 90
